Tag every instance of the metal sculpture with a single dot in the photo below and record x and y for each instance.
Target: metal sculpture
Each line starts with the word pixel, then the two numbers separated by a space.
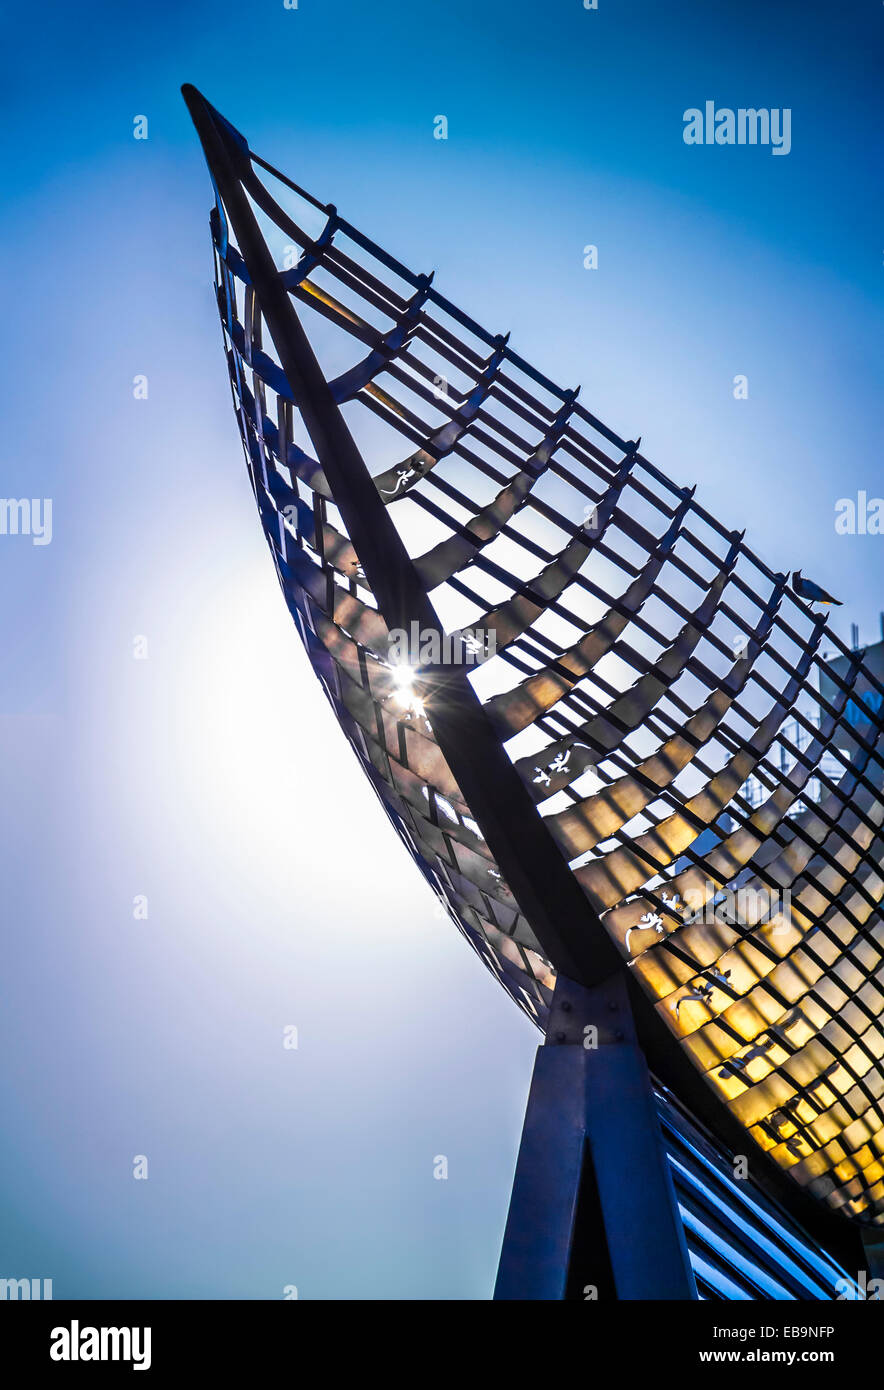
pixel 571 771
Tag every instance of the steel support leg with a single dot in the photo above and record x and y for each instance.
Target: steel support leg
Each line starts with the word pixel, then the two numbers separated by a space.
pixel 593 1211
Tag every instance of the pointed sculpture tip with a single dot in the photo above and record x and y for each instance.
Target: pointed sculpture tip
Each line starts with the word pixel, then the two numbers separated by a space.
pixel 195 101
pixel 204 115
pixel 192 97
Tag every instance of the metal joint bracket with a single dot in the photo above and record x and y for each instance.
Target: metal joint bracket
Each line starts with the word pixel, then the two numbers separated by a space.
pixel 599 1016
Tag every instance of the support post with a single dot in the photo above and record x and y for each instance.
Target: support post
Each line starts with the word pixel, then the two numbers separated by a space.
pixel 593 1211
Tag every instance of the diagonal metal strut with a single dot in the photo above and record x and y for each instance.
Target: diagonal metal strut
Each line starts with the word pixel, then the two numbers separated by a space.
pixel 566 925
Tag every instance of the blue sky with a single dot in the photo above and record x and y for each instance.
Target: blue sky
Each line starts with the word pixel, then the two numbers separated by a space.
pixel 211 777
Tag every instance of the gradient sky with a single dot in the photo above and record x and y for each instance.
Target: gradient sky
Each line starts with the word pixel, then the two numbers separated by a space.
pixel 211 777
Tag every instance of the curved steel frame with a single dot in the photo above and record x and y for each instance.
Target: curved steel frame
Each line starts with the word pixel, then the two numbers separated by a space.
pixel 579 571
